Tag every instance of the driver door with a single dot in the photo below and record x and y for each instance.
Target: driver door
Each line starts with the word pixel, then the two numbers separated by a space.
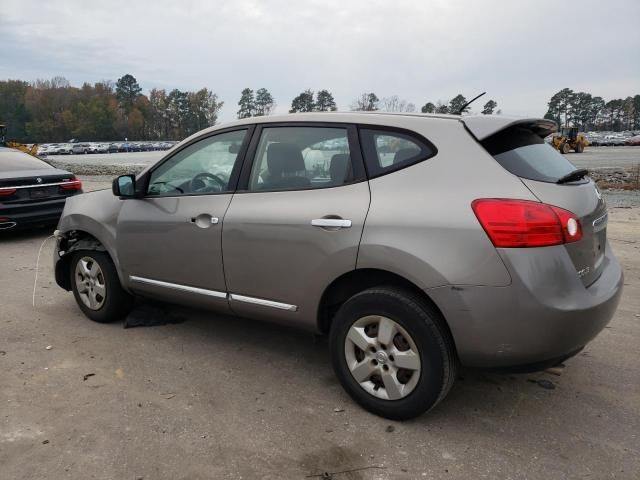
pixel 170 241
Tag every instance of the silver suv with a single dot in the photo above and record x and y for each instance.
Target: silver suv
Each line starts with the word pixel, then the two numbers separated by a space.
pixel 417 243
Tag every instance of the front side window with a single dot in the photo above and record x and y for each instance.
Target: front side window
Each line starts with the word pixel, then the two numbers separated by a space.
pixel 386 151
pixel 297 158
pixel 202 168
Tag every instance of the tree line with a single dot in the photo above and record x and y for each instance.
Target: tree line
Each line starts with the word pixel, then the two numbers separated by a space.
pixel 262 103
pixel 580 109
pixel 54 111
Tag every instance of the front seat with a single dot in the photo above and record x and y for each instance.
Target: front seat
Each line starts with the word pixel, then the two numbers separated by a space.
pixel 340 168
pixel 286 167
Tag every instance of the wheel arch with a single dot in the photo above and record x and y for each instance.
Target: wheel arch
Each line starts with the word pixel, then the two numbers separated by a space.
pixel 70 242
pixel 354 281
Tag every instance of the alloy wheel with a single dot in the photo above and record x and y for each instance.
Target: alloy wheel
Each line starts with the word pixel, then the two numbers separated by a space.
pixel 382 357
pixel 90 283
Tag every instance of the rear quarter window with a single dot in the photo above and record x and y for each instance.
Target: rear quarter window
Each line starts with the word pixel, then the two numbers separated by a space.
pixel 388 150
pixel 525 154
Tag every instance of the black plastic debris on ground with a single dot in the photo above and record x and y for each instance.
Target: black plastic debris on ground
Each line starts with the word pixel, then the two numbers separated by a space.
pixel 546 384
pixel 152 315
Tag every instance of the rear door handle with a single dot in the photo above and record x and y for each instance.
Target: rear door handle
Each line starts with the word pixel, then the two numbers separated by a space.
pixel 331 223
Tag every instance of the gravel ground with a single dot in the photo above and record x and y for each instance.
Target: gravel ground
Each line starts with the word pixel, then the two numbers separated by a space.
pixel 606 157
pixel 221 397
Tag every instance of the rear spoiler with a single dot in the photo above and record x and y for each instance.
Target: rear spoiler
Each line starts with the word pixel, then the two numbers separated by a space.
pixel 484 126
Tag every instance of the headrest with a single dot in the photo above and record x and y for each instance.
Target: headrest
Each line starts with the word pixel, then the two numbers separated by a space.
pixel 405 154
pixel 284 158
pixel 340 167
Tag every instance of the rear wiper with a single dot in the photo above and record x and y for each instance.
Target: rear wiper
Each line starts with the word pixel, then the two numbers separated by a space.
pixel 575 175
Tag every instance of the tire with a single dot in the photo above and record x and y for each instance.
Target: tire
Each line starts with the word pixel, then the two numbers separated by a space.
pixel 564 148
pixel 579 148
pixel 416 390
pixel 109 306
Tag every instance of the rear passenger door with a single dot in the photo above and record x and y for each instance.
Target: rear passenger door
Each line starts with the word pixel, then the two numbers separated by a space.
pixel 296 220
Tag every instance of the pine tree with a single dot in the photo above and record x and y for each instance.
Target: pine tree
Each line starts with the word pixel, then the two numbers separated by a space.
pixel 303 102
pixel 247 104
pixel 489 107
pixel 325 102
pixel 264 103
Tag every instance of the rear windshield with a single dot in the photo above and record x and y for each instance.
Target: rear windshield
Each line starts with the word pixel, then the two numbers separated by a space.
pixel 525 154
pixel 14 161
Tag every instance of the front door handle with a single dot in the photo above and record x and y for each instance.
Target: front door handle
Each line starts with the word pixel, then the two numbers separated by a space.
pixel 204 220
pixel 331 223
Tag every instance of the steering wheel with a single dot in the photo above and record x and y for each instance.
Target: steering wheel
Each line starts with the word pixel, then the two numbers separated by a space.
pixel 197 183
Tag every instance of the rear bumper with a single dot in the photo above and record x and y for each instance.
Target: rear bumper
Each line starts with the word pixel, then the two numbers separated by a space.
pixel 29 214
pixel 545 314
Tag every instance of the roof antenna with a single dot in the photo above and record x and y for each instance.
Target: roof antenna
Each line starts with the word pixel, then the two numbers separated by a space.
pixel 469 103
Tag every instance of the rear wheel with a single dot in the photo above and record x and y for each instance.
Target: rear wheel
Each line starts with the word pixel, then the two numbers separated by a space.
pixel 96 287
pixel 565 148
pixel 391 352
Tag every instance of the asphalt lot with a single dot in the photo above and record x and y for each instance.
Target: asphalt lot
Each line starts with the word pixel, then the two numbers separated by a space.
pixel 606 157
pixel 221 397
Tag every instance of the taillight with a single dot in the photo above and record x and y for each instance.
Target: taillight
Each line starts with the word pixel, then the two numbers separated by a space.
pixel 5 192
pixel 523 223
pixel 74 184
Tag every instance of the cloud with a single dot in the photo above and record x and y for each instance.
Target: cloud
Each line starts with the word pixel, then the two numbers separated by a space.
pixel 520 52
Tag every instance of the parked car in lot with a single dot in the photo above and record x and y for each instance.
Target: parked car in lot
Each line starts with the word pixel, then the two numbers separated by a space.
pixel 44 150
pixel 97 147
pixel 60 149
pixel 615 142
pixel 632 141
pixel 417 243
pixel 80 148
pixel 32 192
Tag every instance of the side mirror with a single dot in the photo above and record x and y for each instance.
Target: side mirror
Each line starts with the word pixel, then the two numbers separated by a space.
pixel 124 186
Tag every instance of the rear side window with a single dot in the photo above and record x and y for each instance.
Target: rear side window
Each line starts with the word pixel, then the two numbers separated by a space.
pixel 525 154
pixel 386 151
pixel 301 158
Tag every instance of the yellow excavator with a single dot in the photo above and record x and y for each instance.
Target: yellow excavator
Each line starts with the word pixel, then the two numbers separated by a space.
pixel 567 139
pixel 31 150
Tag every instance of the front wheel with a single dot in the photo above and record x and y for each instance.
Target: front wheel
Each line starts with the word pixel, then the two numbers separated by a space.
pixel 96 287
pixel 391 352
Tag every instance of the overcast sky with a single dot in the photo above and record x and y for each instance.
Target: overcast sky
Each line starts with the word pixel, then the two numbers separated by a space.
pixel 520 52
